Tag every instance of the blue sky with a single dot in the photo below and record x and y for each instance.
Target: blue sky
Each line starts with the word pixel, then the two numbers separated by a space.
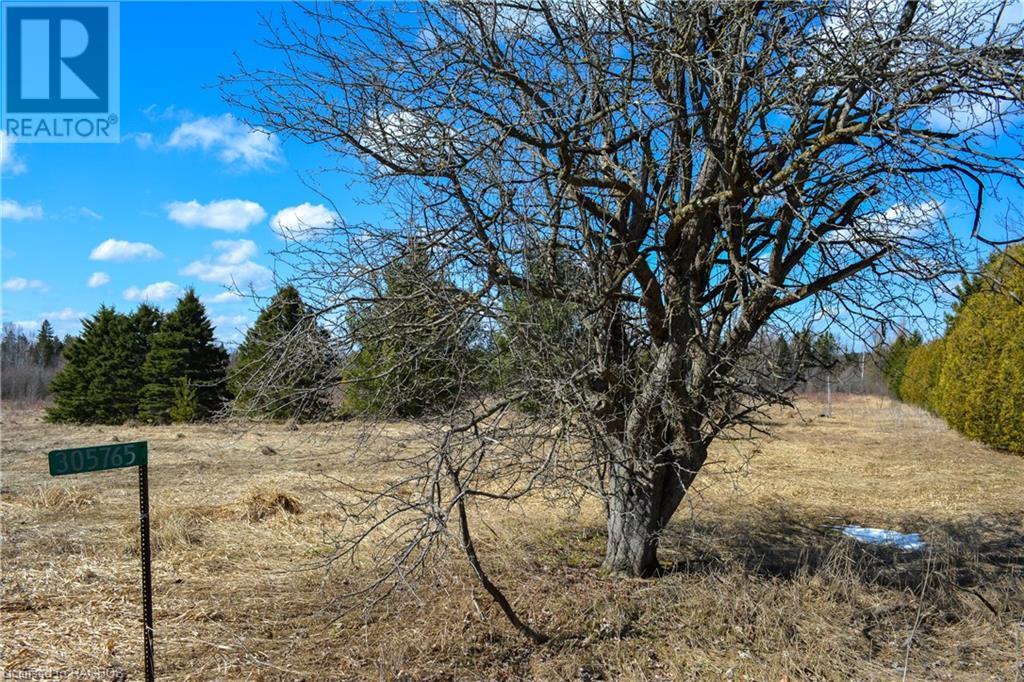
pixel 188 196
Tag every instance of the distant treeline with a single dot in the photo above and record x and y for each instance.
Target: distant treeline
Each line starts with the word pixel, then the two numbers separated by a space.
pixel 155 367
pixel 973 376
pixel 28 365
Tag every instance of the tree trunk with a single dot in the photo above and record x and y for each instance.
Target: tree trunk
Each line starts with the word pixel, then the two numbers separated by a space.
pixel 633 532
pixel 640 505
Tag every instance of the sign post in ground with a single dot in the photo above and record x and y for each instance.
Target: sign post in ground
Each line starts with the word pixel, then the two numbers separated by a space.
pixel 116 455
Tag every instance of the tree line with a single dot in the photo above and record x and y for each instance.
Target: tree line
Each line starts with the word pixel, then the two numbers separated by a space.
pixel 973 375
pixel 161 368
pixel 29 364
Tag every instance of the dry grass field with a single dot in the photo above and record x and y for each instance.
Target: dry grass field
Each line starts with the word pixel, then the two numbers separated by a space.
pixel 761 588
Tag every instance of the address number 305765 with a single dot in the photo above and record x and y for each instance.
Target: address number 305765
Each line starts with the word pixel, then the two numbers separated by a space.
pixel 98 458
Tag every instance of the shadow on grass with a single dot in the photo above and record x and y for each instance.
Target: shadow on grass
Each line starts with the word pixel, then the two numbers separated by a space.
pixel 779 543
pixel 776 543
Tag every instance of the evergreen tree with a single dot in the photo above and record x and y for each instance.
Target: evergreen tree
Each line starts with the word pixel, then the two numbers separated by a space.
pixel 921 375
pixel 969 285
pixel 540 339
pixel 186 401
pixel 283 368
pixel 403 367
pixel 896 358
pixel 48 346
pixel 825 350
pixel 99 382
pixel 183 347
pixel 981 385
pixel 785 365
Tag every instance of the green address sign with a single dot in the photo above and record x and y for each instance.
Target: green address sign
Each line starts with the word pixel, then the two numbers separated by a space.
pixel 98 458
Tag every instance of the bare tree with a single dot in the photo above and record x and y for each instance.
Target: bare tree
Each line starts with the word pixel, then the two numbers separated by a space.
pixel 707 170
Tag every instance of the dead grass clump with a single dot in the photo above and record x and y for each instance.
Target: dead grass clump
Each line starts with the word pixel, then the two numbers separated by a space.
pixel 261 503
pixel 168 531
pixel 61 498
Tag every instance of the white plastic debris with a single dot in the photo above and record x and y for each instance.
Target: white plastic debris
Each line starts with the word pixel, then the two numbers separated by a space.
pixel 908 542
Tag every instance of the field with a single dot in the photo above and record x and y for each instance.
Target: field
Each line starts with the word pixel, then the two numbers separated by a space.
pixel 762 586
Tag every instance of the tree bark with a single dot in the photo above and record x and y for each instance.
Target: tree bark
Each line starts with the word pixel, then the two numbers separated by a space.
pixel 640 506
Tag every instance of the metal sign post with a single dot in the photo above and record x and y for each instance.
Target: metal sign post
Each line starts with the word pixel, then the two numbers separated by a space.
pixel 117 455
pixel 147 578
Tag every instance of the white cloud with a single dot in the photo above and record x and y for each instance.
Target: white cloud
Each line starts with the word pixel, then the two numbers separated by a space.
pixel 12 210
pixel 225 214
pixel 168 113
pixel 897 223
pixel 27 325
pixel 234 251
pixel 65 315
pixel 119 250
pixel 142 140
pixel 158 291
pixel 10 163
pixel 98 279
pixel 87 212
pixel 228 296
pixel 21 284
pixel 223 320
pixel 413 139
pixel 906 220
pixel 296 222
pixel 231 266
pixel 233 142
pixel 241 275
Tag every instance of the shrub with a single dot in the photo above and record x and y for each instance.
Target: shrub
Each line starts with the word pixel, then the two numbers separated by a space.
pixel 921 375
pixel 981 391
pixel 896 360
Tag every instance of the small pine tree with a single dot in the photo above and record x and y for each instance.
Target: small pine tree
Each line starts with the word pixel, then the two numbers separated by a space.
pixel 284 367
pixel 48 346
pixel 186 401
pixel 183 347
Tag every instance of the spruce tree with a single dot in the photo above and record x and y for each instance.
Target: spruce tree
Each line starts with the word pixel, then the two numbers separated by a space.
pixel 283 367
pixel 183 347
pixel 48 346
pixel 99 381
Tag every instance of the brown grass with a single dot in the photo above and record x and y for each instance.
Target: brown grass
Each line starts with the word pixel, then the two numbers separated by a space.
pixel 170 530
pixel 59 498
pixel 260 503
pixel 760 584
